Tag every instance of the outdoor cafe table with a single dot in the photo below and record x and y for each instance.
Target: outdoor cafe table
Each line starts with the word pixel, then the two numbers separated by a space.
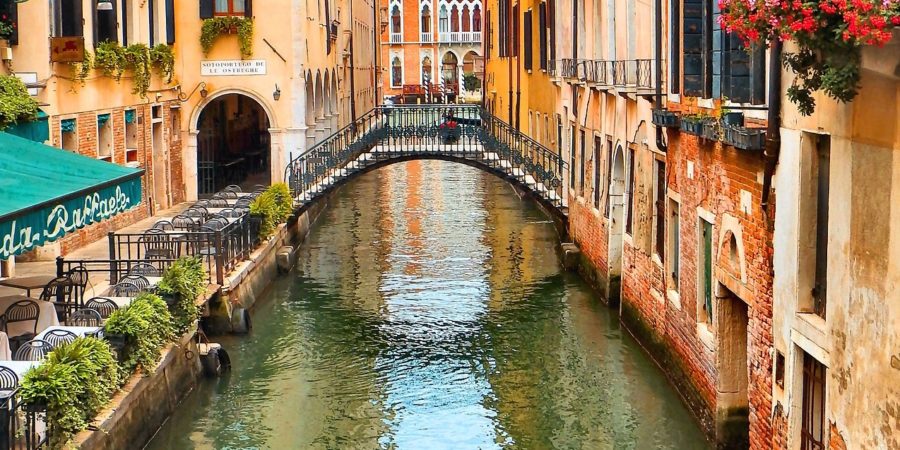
pixel 121 302
pixel 78 331
pixel 19 367
pixel 28 283
pixel 46 317
pixel 5 352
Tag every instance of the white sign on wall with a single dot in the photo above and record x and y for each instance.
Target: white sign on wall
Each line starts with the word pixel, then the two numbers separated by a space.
pixel 233 67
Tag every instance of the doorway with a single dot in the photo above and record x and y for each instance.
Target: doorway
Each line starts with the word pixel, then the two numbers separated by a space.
pixel 616 222
pixel 233 145
pixel 733 404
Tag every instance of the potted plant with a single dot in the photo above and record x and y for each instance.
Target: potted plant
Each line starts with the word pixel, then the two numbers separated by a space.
pixel 710 130
pixel 745 138
pixel 665 118
pixel 693 124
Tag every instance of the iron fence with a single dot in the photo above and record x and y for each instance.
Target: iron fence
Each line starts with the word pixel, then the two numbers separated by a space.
pixel 569 68
pixel 22 427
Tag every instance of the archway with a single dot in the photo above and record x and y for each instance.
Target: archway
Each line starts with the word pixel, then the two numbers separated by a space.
pixel 733 403
pixel 450 72
pixel 426 70
pixel 233 145
pixel 616 221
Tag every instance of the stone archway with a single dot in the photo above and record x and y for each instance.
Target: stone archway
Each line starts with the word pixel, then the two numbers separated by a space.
pixel 616 223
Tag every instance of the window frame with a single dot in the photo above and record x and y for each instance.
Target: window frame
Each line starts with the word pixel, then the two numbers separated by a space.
pixel 231 11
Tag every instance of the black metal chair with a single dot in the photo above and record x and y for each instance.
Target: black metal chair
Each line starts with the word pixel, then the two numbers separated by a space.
pixel 58 337
pixel 215 224
pixel 218 203
pixel 125 289
pixel 34 350
pixel 232 188
pixel 145 269
pixel 59 292
pixel 243 201
pixel 23 311
pixel 228 194
pixel 87 317
pixel 103 306
pixel 79 278
pixel 201 203
pixel 207 247
pixel 184 223
pixel 164 225
pixel 9 381
pixel 140 280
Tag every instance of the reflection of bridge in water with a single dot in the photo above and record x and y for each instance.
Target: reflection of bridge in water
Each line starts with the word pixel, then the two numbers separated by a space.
pixel 461 133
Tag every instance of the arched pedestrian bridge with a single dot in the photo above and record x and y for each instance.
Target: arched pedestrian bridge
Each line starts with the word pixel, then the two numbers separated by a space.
pixel 460 133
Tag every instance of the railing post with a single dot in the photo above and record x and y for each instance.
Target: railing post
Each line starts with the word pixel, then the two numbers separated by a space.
pixel 220 258
pixel 113 264
pixel 59 266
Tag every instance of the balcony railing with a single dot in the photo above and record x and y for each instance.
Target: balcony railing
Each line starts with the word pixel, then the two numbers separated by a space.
pixel 426 37
pixel 569 68
pixel 456 37
pixel 396 38
pixel 632 75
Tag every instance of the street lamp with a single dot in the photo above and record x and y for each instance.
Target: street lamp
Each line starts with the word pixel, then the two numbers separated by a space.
pixel 104 5
pixel 277 94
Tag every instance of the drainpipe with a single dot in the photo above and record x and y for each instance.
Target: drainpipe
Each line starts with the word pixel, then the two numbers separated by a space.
pixel 657 6
pixel 352 72
pixel 508 44
pixel 773 131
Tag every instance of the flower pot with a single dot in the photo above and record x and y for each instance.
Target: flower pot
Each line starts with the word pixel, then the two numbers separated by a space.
pixel 117 342
pixel 692 126
pixel 664 118
pixel 745 138
pixel 733 118
pixel 710 130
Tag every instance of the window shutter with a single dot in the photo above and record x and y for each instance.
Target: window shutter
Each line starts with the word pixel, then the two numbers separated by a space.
pixel 488 28
pixel 721 57
pixel 542 35
pixel 739 70
pixel 515 31
pixel 692 42
pixel 758 75
pixel 170 22
pixel 12 11
pixel 207 9
pixel 526 24
pixel 552 13
pixel 248 11
pixel 94 23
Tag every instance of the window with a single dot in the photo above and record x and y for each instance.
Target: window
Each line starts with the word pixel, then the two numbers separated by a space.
pixel 466 19
pixel 454 19
pixel 426 70
pixel 779 369
pixel 476 19
pixel 812 421
pixel 542 35
pixel 675 47
pixel 104 137
pixel 395 19
pixel 706 276
pixel 674 251
pixel 105 24
pixel 558 135
pixel 489 35
pixel 526 22
pixel 660 203
pixel 695 31
pixel 629 194
pixel 572 160
pixel 67 18
pixel 443 25
pixel 609 175
pixel 503 21
pixel 551 11
pixel 229 8
pixel 515 31
pixel 396 72
pixel 582 165
pixel 426 19
pixel 161 14
pixel 69 135
pixel 598 146
pixel 131 136
pixel 823 176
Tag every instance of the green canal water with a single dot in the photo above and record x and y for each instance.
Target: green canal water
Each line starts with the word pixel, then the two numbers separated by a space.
pixel 428 311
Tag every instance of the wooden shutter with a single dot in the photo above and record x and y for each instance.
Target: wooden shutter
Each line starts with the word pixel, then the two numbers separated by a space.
pixel 124 7
pixel 170 22
pixel 515 31
pixel 207 9
pixel 526 23
pixel 552 13
pixel 487 34
pixel 675 48
pixel 12 11
pixel 758 75
pixel 692 43
pixel 77 19
pixel 248 12
pixel 542 35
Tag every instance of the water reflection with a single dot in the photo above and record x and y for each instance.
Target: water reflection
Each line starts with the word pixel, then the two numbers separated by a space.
pixel 428 311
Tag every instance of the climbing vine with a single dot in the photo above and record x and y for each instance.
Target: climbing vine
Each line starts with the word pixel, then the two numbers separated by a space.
pixel 113 60
pixel 163 59
pixel 82 69
pixel 217 26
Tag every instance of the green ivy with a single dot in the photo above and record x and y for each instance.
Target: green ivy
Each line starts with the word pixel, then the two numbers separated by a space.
pixel 109 59
pixel 74 382
pixel 82 69
pixel 146 325
pixel 273 206
pixel 136 58
pixel 217 26
pixel 183 281
pixel 162 57
pixel 15 103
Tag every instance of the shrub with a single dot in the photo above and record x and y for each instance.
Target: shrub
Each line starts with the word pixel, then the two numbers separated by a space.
pixel 15 103
pixel 183 281
pixel 74 382
pixel 146 325
pixel 273 206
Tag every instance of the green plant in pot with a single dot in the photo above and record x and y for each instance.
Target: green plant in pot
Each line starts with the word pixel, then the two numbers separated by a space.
pixel 180 286
pixel 142 327
pixel 272 207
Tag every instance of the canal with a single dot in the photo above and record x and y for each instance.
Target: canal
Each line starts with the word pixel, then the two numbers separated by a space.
pixel 428 310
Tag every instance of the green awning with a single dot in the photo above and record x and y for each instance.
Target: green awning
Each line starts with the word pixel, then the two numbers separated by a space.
pixel 46 192
pixel 37 130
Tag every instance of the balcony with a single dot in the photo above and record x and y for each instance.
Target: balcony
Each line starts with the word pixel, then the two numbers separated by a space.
pixel 396 38
pixel 426 37
pixel 459 37
pixel 627 77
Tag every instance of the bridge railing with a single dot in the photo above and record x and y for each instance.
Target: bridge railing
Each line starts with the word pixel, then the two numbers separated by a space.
pixel 455 131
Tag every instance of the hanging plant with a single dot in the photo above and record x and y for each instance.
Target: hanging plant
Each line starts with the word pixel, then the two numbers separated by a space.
pixel 15 103
pixel 136 58
pixel 109 59
pixel 162 58
pixel 830 34
pixel 217 26
pixel 82 69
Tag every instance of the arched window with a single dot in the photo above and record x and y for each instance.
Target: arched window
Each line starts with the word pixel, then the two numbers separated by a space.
pixel 466 19
pixel 395 19
pixel 443 26
pixel 426 71
pixel 396 72
pixel 454 19
pixel 476 19
pixel 426 19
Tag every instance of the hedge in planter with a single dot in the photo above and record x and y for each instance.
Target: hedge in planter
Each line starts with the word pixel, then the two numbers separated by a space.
pixel 74 382
pixel 15 103
pixel 142 328
pixel 181 284
pixel 273 206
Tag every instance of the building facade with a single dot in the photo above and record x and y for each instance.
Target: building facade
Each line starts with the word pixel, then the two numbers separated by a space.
pixel 706 241
pixel 429 46
pixel 198 94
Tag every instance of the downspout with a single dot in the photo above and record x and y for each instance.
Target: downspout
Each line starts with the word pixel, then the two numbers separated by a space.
pixel 519 63
pixel 376 41
pixel 658 105
pixel 773 130
pixel 508 44
pixel 352 72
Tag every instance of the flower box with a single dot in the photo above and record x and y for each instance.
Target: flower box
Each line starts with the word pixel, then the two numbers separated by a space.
pixel 710 130
pixel 692 125
pixel 665 118
pixel 733 118
pixel 745 138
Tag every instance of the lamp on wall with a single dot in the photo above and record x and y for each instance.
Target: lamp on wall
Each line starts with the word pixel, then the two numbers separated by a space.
pixel 203 91
pixel 277 94
pixel 104 5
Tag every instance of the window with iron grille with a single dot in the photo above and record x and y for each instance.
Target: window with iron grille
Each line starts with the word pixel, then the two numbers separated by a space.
pixel 706 276
pixel 812 425
pixel 609 163
pixel 661 210
pixel 526 24
pixel 598 146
